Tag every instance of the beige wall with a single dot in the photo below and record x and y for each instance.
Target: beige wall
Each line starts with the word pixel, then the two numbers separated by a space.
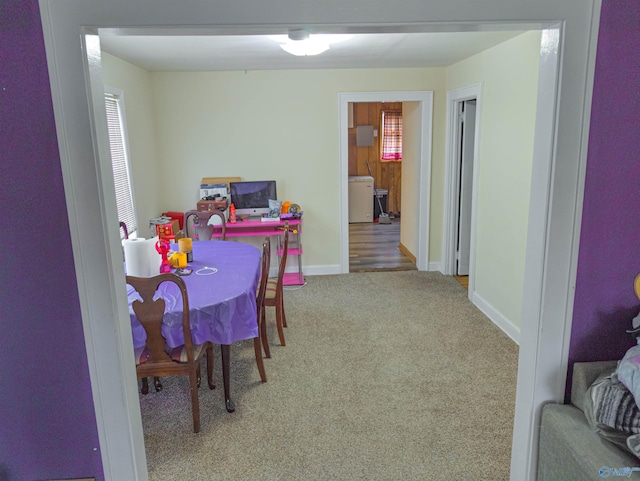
pixel 280 125
pixel 139 106
pixel 283 125
pixel 509 77
pixel 411 122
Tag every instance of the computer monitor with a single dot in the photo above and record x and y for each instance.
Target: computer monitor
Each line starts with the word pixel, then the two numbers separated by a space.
pixel 252 197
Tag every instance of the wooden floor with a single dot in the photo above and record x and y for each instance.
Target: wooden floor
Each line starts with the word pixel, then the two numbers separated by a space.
pixel 464 281
pixel 374 247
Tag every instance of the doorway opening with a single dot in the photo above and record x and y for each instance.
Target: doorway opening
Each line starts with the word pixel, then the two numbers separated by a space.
pixel 413 176
pixel 464 108
pixel 536 371
pixel 374 193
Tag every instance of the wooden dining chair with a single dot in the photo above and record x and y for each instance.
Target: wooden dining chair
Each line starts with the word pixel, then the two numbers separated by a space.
pixel 156 358
pixel 156 380
pixel 261 339
pixel 274 292
pixel 123 226
pixel 201 224
pixel 262 292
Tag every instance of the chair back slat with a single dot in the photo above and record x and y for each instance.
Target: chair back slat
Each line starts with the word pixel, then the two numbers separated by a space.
pixel 264 266
pixel 150 316
pixel 283 258
pixel 202 226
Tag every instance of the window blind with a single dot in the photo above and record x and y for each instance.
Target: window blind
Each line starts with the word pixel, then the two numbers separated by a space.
pixel 119 162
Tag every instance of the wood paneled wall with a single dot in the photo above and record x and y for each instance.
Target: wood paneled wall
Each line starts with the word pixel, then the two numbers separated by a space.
pixel 387 175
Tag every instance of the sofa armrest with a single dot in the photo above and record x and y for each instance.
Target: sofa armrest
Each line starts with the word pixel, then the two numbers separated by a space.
pixel 571 451
pixel 584 374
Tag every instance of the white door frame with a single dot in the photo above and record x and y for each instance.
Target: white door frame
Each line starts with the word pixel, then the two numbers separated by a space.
pixel 425 99
pixel 451 178
pixel 560 147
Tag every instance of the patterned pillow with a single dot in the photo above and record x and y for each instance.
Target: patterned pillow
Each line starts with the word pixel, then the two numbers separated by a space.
pixel 611 410
pixel 629 372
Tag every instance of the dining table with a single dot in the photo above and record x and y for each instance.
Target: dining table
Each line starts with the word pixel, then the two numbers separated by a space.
pixel 222 301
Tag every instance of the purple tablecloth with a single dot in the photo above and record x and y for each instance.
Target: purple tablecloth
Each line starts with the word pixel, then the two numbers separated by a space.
pixel 222 305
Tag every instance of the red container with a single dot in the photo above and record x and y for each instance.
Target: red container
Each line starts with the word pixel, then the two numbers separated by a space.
pixel 179 216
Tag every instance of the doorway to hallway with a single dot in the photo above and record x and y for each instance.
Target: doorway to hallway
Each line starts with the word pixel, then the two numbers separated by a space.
pixel 416 170
pixel 458 253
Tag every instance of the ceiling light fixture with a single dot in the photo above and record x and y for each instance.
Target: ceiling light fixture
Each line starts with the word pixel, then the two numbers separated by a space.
pixel 302 44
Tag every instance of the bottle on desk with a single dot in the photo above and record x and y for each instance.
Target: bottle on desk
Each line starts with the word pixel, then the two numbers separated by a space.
pixel 232 213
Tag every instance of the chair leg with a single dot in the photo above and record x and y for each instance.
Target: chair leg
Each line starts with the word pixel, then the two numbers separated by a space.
pixel 284 318
pixel 145 386
pixel 263 334
pixel 195 405
pixel 279 313
pixel 157 384
pixel 210 366
pixel 258 351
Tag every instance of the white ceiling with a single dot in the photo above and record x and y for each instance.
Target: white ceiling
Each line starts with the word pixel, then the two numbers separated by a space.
pixel 260 52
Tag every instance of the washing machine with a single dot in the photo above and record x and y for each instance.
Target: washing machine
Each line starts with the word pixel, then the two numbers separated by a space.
pixel 360 199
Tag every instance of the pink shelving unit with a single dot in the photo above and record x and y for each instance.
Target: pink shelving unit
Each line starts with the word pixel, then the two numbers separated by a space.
pixel 259 228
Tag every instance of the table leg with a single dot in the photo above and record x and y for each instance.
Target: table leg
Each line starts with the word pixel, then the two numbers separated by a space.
pixel 225 377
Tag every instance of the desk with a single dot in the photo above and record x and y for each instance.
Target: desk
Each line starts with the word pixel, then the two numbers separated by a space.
pixel 222 305
pixel 257 227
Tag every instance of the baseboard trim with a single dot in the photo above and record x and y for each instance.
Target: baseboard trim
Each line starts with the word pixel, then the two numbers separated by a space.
pixel 317 270
pixel 508 327
pixel 407 252
pixel 332 269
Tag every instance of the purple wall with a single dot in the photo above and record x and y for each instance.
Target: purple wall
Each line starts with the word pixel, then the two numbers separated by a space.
pixel 47 421
pixel 609 256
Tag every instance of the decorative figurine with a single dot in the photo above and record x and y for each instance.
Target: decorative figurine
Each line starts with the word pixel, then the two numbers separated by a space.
pixel 162 246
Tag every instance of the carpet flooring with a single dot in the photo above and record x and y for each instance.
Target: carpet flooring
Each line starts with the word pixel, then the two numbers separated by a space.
pixel 385 376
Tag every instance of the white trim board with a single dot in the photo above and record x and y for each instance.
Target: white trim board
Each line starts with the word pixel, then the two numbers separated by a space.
pixel 559 160
pixel 508 327
pixel 319 270
pixel 451 179
pixel 435 266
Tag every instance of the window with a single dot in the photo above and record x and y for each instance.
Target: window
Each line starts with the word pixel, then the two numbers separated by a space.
pixel 391 136
pixel 120 159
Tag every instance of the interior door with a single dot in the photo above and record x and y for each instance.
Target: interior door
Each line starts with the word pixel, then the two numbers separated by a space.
pixel 467 129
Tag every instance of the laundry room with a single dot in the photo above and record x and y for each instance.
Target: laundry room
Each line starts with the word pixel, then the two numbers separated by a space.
pixel 366 155
pixel 375 172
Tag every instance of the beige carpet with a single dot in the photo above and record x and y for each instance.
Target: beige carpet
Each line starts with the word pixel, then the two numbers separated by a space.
pixel 385 376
